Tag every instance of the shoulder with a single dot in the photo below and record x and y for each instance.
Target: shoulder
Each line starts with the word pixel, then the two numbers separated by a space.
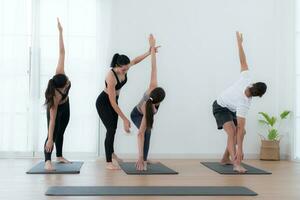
pixel 110 78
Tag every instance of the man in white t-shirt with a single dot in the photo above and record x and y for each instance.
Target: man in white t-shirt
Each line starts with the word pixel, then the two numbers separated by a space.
pixel 231 108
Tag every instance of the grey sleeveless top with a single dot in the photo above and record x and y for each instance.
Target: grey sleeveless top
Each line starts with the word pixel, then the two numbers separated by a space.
pixel 144 99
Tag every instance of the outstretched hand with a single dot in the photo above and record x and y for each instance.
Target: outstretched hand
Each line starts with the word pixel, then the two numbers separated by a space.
pixel 59 25
pixel 239 37
pixel 155 49
pixel 151 40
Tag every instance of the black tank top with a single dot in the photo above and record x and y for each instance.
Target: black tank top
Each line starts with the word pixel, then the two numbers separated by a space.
pixel 64 95
pixel 119 84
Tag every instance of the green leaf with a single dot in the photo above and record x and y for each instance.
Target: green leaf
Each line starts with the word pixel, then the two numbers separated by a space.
pixel 273 121
pixel 284 114
pixel 267 118
pixel 263 121
pixel 273 134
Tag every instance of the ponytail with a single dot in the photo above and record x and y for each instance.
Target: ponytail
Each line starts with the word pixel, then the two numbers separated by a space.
pixel 114 60
pixel 49 94
pixel 119 60
pixel 149 114
pixel 156 96
pixel 57 81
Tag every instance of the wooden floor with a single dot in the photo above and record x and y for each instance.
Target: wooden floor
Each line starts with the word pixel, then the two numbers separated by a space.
pixel 283 184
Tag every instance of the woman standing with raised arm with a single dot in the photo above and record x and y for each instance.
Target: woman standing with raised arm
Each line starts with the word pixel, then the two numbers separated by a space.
pixel 107 102
pixel 231 108
pixel 58 108
pixel 142 115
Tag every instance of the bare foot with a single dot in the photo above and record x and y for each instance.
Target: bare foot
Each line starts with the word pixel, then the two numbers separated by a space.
pixel 226 161
pixel 62 160
pixel 116 158
pixel 145 165
pixel 111 166
pixel 48 166
pixel 239 169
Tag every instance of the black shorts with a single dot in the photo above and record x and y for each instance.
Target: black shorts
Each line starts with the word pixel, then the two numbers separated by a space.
pixel 223 115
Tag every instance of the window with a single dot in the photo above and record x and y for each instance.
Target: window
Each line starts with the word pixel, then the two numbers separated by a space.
pixel 297 113
pixel 15 39
pixel 21 106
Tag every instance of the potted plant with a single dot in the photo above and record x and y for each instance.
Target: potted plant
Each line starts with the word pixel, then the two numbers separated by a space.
pixel 270 149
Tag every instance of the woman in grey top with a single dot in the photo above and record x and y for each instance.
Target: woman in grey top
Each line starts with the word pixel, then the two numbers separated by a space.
pixel 142 114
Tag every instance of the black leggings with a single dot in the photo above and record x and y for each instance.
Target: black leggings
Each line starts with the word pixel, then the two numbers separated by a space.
pixel 109 117
pixel 61 122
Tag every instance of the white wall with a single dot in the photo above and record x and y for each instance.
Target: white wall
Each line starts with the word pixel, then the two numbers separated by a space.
pixel 198 60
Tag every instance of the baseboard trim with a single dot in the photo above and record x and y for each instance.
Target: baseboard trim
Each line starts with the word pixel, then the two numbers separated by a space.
pixel 93 156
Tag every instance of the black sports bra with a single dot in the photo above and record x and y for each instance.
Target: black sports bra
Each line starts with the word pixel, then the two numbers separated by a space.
pixel 64 95
pixel 119 84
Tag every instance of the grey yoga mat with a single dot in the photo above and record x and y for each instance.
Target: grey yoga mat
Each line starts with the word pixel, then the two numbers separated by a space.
pixel 60 168
pixel 228 169
pixel 152 169
pixel 149 191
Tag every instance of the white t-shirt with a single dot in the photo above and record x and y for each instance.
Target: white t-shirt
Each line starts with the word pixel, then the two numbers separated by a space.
pixel 234 97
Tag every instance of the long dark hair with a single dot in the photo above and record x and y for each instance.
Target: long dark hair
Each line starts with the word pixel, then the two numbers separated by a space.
pixel 57 81
pixel 119 60
pixel 156 96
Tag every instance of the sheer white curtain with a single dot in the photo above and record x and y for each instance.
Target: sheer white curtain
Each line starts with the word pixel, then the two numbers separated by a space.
pixel 31 24
pixel 79 21
pixel 297 113
pixel 15 27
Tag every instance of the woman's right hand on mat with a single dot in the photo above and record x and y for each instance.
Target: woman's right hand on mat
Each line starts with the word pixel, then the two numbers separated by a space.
pixel 126 124
pixel 239 156
pixel 140 164
pixel 49 146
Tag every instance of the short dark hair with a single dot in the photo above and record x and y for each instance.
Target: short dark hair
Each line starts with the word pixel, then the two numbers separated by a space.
pixel 258 89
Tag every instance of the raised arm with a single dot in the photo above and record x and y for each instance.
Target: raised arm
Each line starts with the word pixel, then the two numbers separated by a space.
pixel 153 80
pixel 139 59
pixel 142 57
pixel 60 69
pixel 243 61
pixel 111 83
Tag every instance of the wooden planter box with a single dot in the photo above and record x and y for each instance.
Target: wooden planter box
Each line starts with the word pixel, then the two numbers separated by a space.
pixel 270 150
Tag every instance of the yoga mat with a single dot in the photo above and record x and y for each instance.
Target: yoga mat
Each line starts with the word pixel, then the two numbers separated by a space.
pixel 228 169
pixel 149 191
pixel 60 168
pixel 152 169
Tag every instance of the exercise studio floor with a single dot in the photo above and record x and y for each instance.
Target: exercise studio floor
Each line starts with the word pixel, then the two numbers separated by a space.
pixel 283 183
